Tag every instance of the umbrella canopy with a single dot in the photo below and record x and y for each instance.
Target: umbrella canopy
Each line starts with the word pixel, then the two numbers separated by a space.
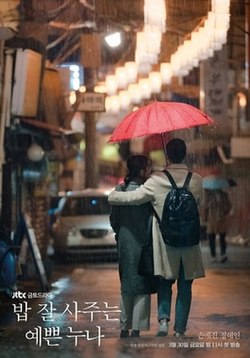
pixel 158 118
pixel 214 182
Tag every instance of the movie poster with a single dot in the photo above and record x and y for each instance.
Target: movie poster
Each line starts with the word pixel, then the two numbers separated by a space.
pixel 97 101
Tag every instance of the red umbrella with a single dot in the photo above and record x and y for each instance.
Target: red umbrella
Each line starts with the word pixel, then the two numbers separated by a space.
pixel 159 117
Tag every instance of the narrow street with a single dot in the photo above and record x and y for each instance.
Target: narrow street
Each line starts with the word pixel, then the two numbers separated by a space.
pixel 84 86
pixel 80 315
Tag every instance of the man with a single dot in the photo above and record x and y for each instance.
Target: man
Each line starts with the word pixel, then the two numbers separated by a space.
pixel 170 263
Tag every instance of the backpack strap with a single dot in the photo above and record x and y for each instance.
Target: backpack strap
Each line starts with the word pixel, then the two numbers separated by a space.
pixel 187 180
pixel 173 183
pixel 170 178
pixel 156 215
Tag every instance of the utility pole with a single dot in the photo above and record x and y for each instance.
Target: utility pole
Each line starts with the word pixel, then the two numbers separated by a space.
pixel 91 165
pixel 91 60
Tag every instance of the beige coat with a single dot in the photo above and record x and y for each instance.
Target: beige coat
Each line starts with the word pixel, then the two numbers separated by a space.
pixel 166 258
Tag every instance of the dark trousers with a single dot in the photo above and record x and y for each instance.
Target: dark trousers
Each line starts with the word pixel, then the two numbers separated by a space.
pixel 212 243
pixel 182 304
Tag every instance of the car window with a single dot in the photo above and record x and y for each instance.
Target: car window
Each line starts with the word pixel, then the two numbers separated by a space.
pixel 86 206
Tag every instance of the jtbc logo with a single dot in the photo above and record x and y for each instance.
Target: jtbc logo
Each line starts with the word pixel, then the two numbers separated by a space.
pixel 19 294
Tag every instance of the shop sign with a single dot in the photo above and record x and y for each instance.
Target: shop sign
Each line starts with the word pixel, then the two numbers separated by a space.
pixel 91 102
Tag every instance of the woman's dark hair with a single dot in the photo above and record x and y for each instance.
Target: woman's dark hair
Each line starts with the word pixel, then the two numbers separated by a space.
pixel 135 164
pixel 176 150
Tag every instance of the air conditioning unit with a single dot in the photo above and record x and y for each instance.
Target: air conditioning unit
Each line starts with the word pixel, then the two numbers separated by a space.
pixel 26 87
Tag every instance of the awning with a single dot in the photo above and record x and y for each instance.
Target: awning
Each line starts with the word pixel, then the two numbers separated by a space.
pixel 72 137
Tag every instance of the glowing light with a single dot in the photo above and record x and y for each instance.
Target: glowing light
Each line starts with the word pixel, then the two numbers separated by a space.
pixel 242 99
pixel 112 104
pixel 155 81
pixel 131 70
pixel 121 77
pixel 113 40
pixel 125 99
pixel 134 92
pixel 111 84
pixel 72 97
pixel 101 88
pixel 145 88
pixel 82 89
pixel 166 72
pixel 201 44
pixel 74 77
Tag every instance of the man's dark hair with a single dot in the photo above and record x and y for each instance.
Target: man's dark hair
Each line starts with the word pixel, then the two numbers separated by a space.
pixel 176 150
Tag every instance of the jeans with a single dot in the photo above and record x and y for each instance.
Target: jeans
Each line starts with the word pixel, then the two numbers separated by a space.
pixel 183 300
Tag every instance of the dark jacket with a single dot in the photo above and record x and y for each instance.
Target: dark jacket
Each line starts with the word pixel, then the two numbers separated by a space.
pixel 130 226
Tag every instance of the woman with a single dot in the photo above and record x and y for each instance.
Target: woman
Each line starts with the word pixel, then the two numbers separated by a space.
pixel 217 206
pixel 130 226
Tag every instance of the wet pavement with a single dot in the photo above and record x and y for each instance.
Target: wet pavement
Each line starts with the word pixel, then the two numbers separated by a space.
pixel 80 315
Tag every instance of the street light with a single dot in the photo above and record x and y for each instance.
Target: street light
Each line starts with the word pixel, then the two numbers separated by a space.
pixel 113 39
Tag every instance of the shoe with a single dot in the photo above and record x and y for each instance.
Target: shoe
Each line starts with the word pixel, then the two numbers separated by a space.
pixel 124 334
pixel 135 333
pixel 223 258
pixel 163 328
pixel 179 335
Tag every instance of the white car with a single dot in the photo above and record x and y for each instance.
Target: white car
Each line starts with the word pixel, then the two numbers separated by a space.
pixel 82 229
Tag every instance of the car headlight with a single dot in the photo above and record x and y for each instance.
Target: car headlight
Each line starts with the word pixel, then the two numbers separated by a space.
pixel 73 232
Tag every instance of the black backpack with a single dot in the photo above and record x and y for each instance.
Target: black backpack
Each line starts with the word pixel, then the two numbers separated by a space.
pixel 180 222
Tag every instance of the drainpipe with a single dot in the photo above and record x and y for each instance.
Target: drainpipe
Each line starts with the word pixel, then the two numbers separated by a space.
pixel 247 54
pixel 5 109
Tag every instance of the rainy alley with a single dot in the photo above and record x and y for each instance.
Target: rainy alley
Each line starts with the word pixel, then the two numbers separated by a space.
pixel 86 86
